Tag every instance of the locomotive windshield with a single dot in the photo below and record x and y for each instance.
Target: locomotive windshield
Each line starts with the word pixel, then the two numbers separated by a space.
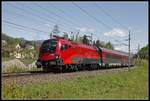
pixel 49 46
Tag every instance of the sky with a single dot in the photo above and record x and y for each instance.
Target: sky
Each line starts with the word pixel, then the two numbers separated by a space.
pixel 107 21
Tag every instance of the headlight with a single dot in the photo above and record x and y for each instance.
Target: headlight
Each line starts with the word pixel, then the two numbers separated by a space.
pixel 57 57
pixel 52 62
pixel 38 63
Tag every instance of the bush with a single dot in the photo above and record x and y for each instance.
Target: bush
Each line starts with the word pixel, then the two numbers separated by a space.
pixel 143 53
pixel 15 69
pixel 5 54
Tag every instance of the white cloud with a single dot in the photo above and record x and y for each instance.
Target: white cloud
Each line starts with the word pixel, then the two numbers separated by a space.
pixel 91 30
pixel 138 30
pixel 83 30
pixel 47 25
pixel 116 32
pixel 121 48
pixel 118 48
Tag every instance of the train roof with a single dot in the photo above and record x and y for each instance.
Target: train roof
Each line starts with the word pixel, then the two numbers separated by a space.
pixel 114 51
pixel 91 47
pixel 83 45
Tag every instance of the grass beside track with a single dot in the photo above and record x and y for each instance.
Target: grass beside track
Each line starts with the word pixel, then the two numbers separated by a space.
pixel 123 85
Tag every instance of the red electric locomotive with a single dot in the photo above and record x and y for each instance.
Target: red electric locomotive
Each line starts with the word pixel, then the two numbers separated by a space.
pixel 60 54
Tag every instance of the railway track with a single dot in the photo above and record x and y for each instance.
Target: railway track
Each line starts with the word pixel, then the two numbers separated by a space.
pixel 23 74
pixel 40 77
pixel 31 73
pixel 14 74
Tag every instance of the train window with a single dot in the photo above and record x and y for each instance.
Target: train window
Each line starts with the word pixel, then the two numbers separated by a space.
pixel 108 56
pixel 64 47
pixel 49 46
pixel 114 57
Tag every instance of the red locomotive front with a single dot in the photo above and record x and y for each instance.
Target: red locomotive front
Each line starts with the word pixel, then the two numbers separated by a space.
pixel 49 54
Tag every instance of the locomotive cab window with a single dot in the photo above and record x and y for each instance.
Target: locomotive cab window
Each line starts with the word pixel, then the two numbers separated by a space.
pixel 64 47
pixel 49 45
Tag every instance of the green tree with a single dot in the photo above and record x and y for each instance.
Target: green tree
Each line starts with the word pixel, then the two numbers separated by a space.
pixel 55 31
pixel 65 35
pixel 94 43
pixel 77 36
pixel 143 53
pixel 5 53
pixel 85 40
pixel 80 39
pixel 109 45
pixel 72 36
pixel 99 43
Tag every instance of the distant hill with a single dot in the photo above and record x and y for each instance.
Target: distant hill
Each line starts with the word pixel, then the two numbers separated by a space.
pixel 5 37
pixel 38 42
pixel 10 40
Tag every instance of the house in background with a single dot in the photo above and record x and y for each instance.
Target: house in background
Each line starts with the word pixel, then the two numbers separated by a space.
pixel 19 51
pixel 17 55
pixel 4 43
pixel 18 46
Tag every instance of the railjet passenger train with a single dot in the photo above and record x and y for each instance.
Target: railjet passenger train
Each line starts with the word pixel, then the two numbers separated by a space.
pixel 60 54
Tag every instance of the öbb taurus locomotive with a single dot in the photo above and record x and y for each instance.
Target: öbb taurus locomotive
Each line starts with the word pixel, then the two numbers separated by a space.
pixel 60 54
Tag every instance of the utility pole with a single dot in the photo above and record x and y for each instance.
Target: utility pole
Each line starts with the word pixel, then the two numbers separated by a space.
pixel 129 50
pixel 138 51
pixel 138 55
pixel 51 34
pixel 91 38
pixel 36 46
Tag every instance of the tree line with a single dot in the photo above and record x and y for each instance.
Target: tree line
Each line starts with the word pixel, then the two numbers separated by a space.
pixel 143 53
